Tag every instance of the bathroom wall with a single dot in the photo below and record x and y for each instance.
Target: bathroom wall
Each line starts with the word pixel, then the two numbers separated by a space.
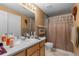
pixel 76 50
pixel 24 27
pixel 77 16
pixel 32 23
pixel 39 17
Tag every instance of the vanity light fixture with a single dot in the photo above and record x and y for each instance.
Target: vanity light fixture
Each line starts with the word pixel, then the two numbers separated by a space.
pixel 30 6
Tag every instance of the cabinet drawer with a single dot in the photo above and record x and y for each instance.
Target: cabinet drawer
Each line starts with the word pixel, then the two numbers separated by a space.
pixel 42 43
pixel 22 53
pixel 36 53
pixel 32 49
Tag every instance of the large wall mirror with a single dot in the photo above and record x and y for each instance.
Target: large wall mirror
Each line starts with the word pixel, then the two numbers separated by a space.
pixel 16 19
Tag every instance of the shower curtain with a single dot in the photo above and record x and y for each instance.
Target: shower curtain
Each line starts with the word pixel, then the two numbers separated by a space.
pixel 59 31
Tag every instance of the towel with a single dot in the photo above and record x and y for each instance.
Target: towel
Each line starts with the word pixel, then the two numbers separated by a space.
pixel 73 35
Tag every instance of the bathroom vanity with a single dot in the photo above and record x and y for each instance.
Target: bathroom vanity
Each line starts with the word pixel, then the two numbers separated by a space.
pixel 35 50
pixel 28 47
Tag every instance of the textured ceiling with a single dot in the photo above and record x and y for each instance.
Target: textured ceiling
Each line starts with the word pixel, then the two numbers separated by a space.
pixel 52 9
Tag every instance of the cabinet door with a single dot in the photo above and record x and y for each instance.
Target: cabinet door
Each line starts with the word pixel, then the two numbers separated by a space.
pixel 3 22
pixel 36 53
pixel 42 51
pixel 42 43
pixel 32 49
pixel 22 53
pixel 14 24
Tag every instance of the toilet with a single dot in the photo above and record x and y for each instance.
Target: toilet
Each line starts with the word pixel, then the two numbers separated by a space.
pixel 49 46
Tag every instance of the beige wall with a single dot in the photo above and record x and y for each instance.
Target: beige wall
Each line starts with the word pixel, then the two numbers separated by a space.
pixel 32 25
pixel 76 50
pixel 24 27
pixel 77 17
pixel 39 17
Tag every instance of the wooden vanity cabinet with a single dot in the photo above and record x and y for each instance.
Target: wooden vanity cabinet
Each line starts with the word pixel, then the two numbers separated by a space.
pixel 35 50
pixel 36 53
pixel 42 48
pixel 22 53
pixel 42 51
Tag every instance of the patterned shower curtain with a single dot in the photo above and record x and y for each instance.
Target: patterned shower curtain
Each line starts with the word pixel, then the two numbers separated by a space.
pixel 59 31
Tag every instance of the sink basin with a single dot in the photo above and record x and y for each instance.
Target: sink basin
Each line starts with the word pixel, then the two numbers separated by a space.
pixel 26 41
pixel 32 40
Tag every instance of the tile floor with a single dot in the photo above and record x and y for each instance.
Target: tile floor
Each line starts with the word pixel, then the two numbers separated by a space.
pixel 57 52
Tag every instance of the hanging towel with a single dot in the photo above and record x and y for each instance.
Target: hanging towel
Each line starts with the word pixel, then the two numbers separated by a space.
pixel 73 35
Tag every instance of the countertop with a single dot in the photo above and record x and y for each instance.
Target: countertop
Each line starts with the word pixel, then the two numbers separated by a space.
pixel 21 45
